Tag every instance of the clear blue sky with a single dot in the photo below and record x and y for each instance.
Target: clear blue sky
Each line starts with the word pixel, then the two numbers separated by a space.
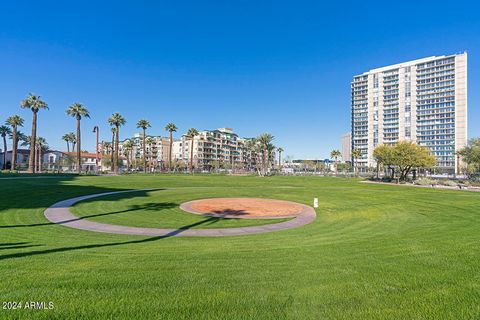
pixel 282 67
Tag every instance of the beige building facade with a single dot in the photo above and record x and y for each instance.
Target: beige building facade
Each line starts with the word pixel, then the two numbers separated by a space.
pixel 214 148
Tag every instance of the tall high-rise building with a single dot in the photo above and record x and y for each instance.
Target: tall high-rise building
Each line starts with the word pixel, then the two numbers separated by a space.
pixel 424 101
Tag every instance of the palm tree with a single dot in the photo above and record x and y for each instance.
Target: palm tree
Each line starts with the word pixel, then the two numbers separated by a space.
pixel 34 103
pixel 355 155
pixel 335 154
pixel 192 132
pixel 4 130
pixel 78 110
pixel 15 122
pixel 149 141
pixel 116 120
pixel 42 146
pixel 73 140
pixel 69 138
pixel 112 149
pixel 144 124
pixel 66 138
pixel 105 147
pixel 127 149
pixel 264 140
pixel 170 127
pixel 22 137
pixel 270 154
pixel 280 150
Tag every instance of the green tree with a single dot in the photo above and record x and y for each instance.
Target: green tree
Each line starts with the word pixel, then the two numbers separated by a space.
pixel 171 128
pixel 408 155
pixel 471 155
pixel 383 154
pixel 144 124
pixel 4 131
pixel 15 122
pixel 404 156
pixel 116 120
pixel 192 132
pixel 78 110
pixel 344 167
pixel 35 104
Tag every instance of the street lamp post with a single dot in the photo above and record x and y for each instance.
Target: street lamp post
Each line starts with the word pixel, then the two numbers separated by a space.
pixel 96 130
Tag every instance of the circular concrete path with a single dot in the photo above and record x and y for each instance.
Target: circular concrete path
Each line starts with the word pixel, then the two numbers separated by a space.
pixel 60 213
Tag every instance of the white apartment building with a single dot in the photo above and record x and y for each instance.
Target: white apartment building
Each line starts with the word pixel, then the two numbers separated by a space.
pixel 424 101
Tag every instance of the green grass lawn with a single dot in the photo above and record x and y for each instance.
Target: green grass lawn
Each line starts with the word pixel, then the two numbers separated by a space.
pixel 374 252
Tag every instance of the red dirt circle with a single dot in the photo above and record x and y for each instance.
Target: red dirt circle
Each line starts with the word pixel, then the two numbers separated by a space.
pixel 244 208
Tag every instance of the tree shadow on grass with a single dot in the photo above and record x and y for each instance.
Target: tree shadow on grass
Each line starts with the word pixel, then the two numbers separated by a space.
pixel 207 221
pixel 148 206
pixel 34 193
pixel 7 244
pixel 23 246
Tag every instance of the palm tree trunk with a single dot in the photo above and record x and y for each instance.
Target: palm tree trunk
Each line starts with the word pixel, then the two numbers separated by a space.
pixel 79 141
pixel 39 156
pixel 4 152
pixel 112 166
pixel 116 149
pixel 14 148
pixel 144 154
pixel 33 138
pixel 191 157
pixel 264 160
pixel 170 153
pixel 68 146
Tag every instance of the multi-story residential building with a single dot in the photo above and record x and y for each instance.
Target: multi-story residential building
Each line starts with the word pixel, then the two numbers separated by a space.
pixel 156 151
pixel 346 143
pixel 424 101
pixel 215 148
pixel 220 148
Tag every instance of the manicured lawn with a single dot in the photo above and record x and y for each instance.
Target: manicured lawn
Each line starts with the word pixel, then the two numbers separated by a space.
pixel 374 252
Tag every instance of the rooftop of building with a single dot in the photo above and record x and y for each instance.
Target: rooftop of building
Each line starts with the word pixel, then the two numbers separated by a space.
pixel 408 63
